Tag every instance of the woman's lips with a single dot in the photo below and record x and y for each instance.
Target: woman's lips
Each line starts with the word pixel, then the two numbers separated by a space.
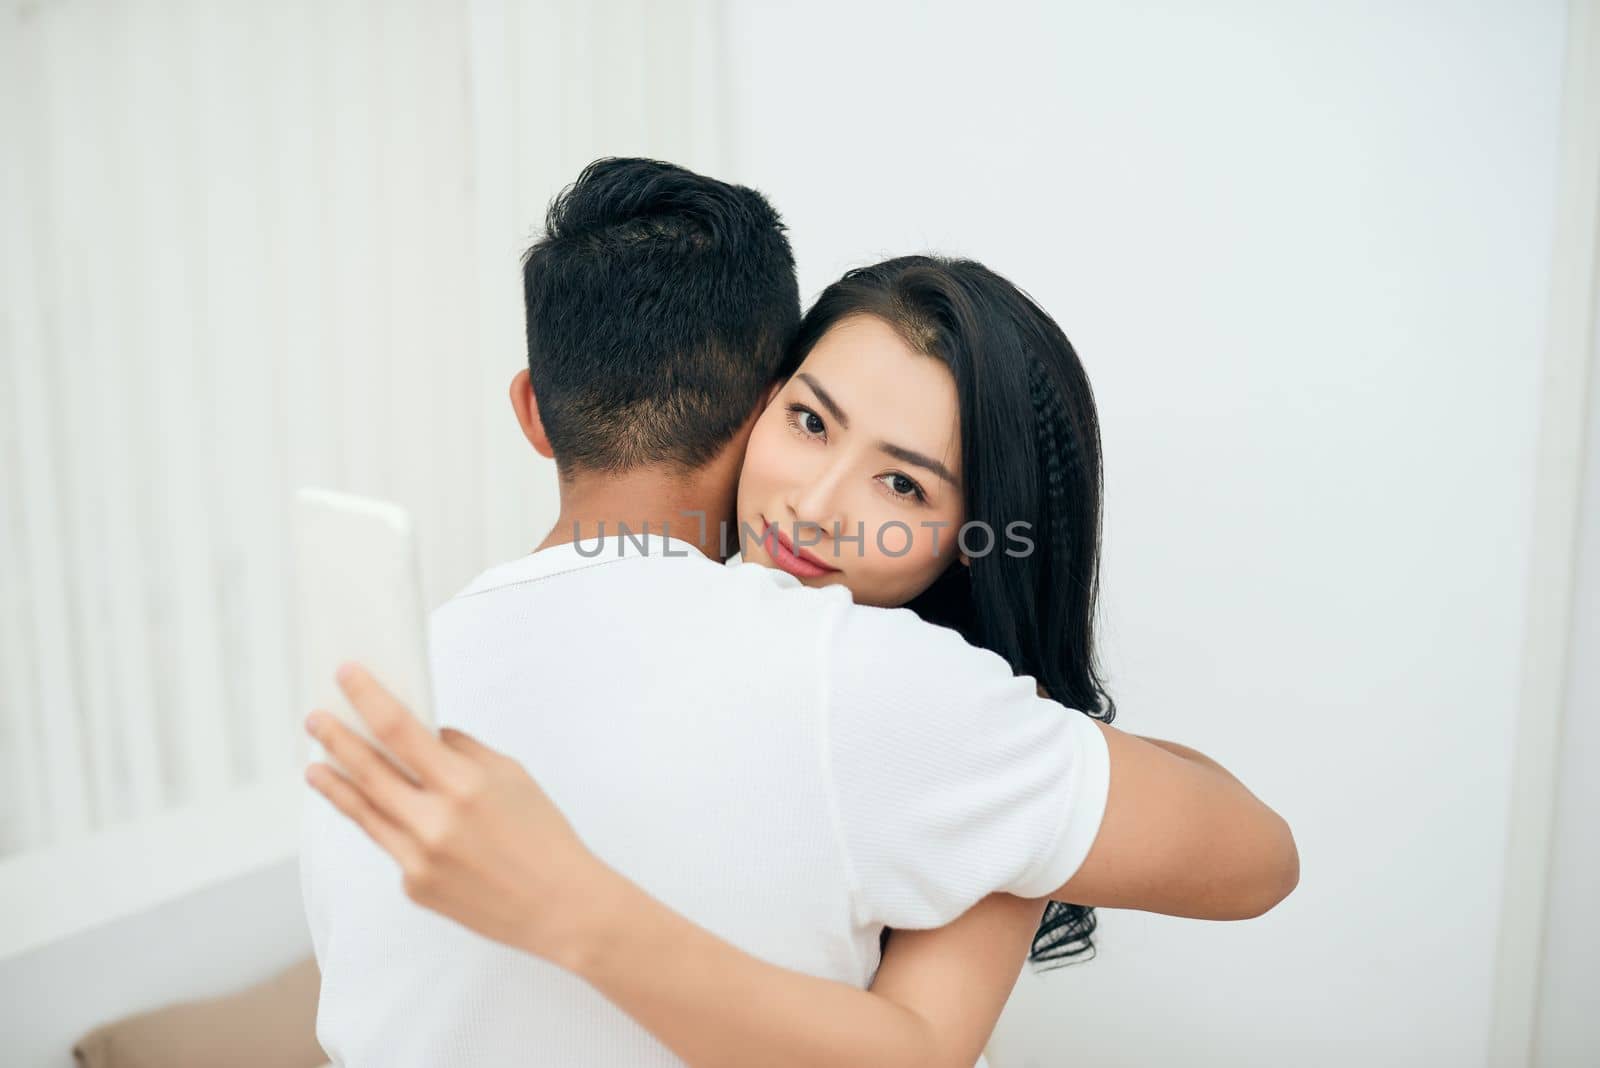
pixel 796 562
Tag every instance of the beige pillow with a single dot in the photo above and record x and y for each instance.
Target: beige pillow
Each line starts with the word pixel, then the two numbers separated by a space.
pixel 270 1025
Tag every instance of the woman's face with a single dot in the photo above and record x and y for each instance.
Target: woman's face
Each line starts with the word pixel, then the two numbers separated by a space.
pixel 864 439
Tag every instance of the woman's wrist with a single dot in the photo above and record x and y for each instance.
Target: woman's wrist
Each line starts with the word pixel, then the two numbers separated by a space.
pixel 576 936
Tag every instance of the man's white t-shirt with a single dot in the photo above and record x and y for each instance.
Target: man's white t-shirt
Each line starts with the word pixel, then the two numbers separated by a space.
pixel 785 768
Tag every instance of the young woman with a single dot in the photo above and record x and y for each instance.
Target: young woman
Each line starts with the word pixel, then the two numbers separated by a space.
pixel 923 396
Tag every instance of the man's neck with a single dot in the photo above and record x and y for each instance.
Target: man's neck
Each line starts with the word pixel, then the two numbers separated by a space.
pixel 690 509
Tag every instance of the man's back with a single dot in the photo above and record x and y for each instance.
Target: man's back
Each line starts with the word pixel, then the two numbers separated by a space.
pixel 679 713
pixel 610 680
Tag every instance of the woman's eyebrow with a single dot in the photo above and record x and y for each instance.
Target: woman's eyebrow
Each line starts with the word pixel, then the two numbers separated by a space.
pixel 899 452
pixel 827 401
pixel 906 455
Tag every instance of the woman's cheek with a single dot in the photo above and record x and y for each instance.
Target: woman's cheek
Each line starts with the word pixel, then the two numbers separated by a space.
pixel 927 561
pixel 889 576
pixel 763 458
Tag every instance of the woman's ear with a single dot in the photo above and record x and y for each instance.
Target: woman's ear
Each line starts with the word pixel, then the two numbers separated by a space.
pixel 526 405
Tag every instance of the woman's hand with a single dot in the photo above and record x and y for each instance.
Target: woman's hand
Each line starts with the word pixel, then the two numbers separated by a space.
pixel 476 838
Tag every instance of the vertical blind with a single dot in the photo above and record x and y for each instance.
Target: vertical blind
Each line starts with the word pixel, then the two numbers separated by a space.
pixel 249 247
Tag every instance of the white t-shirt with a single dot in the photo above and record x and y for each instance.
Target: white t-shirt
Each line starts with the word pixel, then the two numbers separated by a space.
pixel 785 768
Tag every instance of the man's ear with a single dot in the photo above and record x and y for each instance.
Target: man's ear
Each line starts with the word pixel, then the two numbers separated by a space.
pixel 526 405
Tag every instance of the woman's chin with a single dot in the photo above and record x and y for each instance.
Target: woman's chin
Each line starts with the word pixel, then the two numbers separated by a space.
pixel 832 578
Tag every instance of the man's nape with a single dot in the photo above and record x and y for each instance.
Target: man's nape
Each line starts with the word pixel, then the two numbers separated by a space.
pixel 695 506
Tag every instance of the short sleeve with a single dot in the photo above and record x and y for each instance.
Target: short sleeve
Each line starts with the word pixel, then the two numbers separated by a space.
pixel 952 778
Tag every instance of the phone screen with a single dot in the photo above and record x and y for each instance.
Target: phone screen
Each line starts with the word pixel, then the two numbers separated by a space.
pixel 359 593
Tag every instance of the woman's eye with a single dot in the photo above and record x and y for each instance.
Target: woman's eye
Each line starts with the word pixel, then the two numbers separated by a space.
pixel 806 421
pixel 901 486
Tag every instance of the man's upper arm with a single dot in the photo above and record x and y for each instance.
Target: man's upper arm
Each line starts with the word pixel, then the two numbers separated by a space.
pixel 1182 839
pixel 953 778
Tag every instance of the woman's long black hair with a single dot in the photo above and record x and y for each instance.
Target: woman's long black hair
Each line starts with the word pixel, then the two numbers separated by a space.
pixel 1030 452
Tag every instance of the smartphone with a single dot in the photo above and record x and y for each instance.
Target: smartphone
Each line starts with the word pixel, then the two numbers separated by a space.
pixel 359 593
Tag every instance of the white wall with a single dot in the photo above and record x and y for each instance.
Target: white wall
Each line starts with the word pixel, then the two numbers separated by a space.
pixel 1303 250
pixel 1568 1030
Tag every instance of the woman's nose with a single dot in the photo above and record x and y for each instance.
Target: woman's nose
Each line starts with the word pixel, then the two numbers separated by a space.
pixel 820 502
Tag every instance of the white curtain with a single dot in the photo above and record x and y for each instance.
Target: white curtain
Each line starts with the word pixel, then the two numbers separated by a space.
pixel 248 247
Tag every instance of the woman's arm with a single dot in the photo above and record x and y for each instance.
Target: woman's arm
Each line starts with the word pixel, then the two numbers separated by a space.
pixel 934 1001
pixel 478 841
pixel 959 977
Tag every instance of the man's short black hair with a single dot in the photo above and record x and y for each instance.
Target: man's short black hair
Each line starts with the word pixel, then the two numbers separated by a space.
pixel 660 304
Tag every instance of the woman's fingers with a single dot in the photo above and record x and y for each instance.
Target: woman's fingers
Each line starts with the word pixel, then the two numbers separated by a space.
pixel 345 797
pixel 393 724
pixel 467 745
pixel 382 783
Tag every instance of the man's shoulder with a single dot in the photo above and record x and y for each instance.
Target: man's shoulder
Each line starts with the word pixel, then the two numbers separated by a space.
pixel 869 632
pixel 741 599
pixel 861 636
pixel 698 592
pixel 579 572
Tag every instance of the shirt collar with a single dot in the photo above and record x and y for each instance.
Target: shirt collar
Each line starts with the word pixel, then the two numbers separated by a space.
pixel 584 553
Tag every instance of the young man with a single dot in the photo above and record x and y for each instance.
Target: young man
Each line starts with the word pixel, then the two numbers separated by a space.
pixel 786 770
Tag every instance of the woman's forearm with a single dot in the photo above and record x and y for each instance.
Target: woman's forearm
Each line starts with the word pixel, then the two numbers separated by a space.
pixel 713 1004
